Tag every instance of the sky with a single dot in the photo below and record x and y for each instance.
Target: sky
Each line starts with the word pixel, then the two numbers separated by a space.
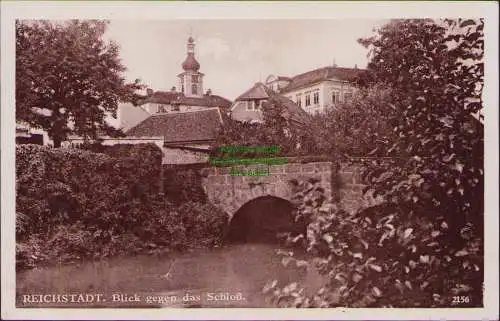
pixel 234 54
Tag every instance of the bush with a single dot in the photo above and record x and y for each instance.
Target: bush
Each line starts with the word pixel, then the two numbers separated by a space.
pixel 381 257
pixel 184 184
pixel 74 204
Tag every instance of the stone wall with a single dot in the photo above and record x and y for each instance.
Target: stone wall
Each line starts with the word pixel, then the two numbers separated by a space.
pixel 342 183
pixel 231 192
pixel 350 188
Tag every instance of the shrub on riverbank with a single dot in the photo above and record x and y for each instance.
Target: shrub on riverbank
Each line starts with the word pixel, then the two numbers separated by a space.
pixel 384 256
pixel 74 204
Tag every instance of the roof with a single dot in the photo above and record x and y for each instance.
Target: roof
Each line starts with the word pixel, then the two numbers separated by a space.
pixel 169 97
pixel 261 91
pixel 278 78
pixel 190 63
pixel 321 74
pixel 258 91
pixel 180 127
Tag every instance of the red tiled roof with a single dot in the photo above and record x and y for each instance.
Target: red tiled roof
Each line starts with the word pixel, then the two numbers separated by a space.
pixel 180 127
pixel 321 74
pixel 168 97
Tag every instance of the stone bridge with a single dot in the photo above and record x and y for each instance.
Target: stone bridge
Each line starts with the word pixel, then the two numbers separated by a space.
pixel 342 183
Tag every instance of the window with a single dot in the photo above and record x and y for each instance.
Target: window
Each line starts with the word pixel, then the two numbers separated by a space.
pixel 298 100
pixel 308 100
pixel 194 78
pixel 347 96
pixel 176 107
pixel 316 98
pixel 335 97
pixel 161 108
pixel 194 89
pixel 254 104
pixel 250 104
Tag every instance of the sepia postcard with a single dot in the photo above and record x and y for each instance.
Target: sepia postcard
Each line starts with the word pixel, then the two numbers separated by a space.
pixel 249 160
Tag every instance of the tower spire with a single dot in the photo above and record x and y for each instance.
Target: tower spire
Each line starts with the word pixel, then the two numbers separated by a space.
pixel 191 80
pixel 190 63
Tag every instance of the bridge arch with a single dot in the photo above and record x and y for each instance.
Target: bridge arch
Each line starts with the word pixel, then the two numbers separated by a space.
pixel 230 193
pixel 261 219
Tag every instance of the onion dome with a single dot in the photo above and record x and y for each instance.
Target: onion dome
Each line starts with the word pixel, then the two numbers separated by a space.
pixel 190 63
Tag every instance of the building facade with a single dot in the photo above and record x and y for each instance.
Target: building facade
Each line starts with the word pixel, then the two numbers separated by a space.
pixel 317 90
pixel 26 134
pixel 183 123
pixel 186 138
pixel 189 96
pixel 248 106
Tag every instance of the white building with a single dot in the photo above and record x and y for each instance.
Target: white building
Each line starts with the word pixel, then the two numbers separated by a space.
pixel 317 90
pixel 183 123
pixel 187 97
pixel 26 134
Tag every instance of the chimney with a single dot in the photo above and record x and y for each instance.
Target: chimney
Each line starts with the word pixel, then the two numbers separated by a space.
pixel 149 91
pixel 334 64
pixel 209 92
pixel 173 89
pixel 355 66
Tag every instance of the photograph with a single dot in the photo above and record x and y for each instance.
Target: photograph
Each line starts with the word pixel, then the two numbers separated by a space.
pixel 251 162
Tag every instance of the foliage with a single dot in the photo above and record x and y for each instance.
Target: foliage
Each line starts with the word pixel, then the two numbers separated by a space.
pixel 277 129
pixel 354 127
pixel 183 185
pixel 436 73
pixel 74 204
pixel 378 257
pixel 424 243
pixel 68 79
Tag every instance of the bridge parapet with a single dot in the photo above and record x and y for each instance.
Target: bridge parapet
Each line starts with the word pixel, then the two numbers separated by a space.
pixel 342 183
pixel 231 192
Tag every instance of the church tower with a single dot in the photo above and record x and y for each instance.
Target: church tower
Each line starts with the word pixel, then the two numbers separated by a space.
pixel 191 80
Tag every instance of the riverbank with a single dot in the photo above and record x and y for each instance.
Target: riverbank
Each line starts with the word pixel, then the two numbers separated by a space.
pixel 233 276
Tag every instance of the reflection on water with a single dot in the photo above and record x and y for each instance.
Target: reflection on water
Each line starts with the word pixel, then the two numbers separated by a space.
pixel 213 274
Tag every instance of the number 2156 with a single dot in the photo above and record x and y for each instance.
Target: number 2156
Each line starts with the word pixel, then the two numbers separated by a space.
pixel 461 299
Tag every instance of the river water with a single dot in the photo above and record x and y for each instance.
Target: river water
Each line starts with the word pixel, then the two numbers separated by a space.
pixel 231 276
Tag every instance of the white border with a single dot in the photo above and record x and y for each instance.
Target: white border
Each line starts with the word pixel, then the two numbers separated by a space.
pixel 257 10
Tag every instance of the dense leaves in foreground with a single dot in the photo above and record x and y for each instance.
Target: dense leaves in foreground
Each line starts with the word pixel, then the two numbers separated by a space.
pixel 75 204
pixel 378 257
pixel 423 245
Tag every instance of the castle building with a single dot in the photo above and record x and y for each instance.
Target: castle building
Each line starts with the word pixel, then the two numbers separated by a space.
pixel 317 90
pixel 311 93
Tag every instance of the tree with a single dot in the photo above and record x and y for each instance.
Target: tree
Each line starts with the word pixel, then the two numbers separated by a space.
pixel 436 72
pixel 68 79
pixel 354 127
pixel 423 244
pixel 433 184
pixel 276 129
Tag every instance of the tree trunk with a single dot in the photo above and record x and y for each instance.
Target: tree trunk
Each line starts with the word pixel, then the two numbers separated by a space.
pixel 57 142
